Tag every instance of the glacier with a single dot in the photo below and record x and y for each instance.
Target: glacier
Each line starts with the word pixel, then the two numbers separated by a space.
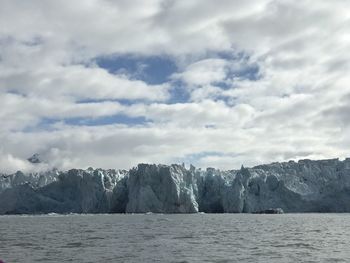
pixel 303 186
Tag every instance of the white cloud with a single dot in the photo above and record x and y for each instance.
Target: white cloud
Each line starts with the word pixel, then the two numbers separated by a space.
pixel 11 164
pixel 122 146
pixel 200 114
pixel 294 107
pixel 79 82
pixel 204 72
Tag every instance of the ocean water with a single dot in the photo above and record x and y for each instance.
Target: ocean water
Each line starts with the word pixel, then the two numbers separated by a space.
pixel 176 238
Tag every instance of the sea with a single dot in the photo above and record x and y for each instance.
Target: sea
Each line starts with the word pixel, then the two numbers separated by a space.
pixel 175 238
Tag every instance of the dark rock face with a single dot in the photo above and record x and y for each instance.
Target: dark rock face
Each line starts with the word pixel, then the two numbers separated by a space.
pixel 120 197
pixel 34 158
pixel 305 186
pixel 270 211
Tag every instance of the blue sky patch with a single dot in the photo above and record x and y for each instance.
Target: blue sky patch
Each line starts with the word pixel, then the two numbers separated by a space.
pixel 114 119
pixel 195 157
pixel 179 92
pixel 152 70
pixel 47 123
pixel 250 71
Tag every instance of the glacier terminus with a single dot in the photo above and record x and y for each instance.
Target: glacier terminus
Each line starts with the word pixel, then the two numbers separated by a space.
pixel 303 186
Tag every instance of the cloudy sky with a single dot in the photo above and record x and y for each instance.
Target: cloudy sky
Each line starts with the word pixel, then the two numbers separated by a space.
pixel 222 83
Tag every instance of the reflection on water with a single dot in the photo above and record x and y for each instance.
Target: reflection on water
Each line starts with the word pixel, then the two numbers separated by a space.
pixel 176 238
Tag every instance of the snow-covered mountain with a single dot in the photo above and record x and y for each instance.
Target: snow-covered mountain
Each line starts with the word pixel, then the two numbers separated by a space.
pixel 303 186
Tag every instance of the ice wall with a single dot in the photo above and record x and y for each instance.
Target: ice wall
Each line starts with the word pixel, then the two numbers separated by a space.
pixel 304 186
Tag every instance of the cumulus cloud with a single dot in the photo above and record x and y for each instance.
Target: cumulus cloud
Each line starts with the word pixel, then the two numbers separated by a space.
pixel 11 164
pixel 266 81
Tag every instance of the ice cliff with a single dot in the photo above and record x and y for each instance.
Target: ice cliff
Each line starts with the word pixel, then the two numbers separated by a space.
pixel 303 186
pixel 161 189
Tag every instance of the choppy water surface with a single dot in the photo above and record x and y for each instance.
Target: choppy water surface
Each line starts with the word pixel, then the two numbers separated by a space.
pixel 176 238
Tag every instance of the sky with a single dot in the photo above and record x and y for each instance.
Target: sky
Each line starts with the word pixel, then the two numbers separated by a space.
pixel 221 83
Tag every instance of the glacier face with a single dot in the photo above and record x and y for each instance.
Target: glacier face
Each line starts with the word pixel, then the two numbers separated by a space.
pixel 303 186
pixel 161 189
